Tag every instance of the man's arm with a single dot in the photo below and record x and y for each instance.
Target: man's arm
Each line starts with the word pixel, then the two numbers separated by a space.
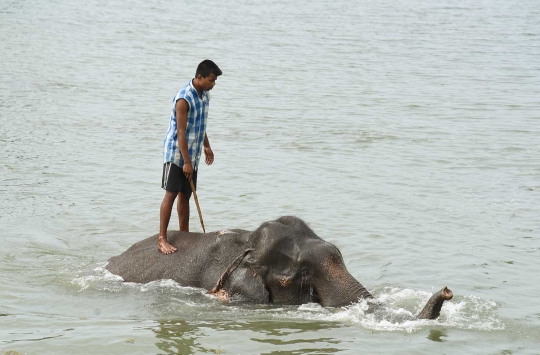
pixel 181 125
pixel 208 151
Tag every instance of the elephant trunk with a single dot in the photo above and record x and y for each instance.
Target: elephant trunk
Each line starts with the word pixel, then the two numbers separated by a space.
pixel 432 309
pixel 341 291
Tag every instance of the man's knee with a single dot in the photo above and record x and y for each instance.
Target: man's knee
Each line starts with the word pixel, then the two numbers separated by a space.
pixel 184 196
pixel 170 195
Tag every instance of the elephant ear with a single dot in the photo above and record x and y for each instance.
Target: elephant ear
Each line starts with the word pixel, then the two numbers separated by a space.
pixel 240 283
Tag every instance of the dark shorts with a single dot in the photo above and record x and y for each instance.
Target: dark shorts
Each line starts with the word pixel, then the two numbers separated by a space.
pixel 174 180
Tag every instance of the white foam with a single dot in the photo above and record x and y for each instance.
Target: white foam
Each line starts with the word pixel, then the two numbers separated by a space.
pixel 397 309
pixel 165 283
pixel 101 275
pixel 310 307
pixel 472 312
pixel 101 278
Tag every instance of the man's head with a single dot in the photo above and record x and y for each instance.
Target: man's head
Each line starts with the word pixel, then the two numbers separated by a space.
pixel 206 74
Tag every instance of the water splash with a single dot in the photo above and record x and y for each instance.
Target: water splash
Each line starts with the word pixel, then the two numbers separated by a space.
pixel 102 279
pixel 471 312
pixel 395 312
pixel 99 278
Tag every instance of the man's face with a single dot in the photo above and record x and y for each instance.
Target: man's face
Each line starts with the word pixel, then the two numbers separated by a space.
pixel 207 83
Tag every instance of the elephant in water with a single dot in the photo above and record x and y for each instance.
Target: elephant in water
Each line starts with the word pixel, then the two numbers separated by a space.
pixel 282 262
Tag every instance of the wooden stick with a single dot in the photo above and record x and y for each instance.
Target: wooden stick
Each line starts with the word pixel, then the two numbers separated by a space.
pixel 197 203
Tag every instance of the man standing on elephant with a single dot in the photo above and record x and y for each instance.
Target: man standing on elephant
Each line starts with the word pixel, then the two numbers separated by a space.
pixel 185 140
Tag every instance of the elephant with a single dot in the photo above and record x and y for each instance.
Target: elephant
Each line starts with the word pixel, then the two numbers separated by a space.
pixel 281 262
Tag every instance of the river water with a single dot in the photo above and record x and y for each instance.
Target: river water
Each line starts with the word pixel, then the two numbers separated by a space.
pixel 405 132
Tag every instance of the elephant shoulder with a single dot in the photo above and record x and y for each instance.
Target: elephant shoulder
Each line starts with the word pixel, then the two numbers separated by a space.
pixel 219 254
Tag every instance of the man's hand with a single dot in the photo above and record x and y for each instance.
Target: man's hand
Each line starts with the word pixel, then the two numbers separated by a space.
pixel 209 155
pixel 188 170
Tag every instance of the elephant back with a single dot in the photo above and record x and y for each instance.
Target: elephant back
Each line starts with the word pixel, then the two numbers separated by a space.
pixel 200 260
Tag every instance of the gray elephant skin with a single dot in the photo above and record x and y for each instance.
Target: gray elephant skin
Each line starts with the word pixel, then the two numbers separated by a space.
pixel 281 262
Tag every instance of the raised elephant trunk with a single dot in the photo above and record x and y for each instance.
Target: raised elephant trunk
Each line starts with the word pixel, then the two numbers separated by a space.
pixel 432 309
pixel 349 290
pixel 339 288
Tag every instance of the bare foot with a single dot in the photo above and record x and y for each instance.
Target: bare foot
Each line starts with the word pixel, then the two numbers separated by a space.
pixel 164 246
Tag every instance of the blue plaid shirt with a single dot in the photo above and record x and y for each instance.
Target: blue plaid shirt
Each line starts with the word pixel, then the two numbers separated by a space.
pixel 195 130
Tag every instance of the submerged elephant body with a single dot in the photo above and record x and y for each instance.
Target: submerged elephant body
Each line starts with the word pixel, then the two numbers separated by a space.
pixel 282 261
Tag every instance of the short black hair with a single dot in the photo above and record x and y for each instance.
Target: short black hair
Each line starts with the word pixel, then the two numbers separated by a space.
pixel 207 67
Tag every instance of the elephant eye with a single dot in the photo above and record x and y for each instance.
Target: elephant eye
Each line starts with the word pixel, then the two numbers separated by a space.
pixel 304 273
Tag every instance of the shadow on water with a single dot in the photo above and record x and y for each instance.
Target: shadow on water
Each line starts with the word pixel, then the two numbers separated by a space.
pixel 178 337
pixel 181 336
pixel 437 335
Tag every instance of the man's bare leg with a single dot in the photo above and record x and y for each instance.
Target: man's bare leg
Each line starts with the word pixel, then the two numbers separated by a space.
pixel 164 218
pixel 183 210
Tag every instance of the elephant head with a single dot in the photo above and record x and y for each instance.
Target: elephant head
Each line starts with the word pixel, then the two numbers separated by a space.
pixel 287 263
